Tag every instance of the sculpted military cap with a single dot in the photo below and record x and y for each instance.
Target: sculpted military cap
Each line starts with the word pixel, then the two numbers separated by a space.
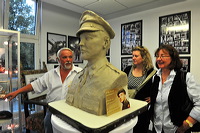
pixel 90 21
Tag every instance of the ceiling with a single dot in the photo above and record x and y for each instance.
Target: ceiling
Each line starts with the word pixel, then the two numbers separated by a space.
pixel 109 9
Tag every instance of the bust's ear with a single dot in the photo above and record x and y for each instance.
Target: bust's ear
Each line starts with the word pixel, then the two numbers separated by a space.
pixel 106 42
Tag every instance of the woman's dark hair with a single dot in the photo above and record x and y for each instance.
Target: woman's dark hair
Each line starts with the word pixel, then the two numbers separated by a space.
pixel 176 63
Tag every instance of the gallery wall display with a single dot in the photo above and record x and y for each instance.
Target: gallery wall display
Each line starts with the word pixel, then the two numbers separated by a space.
pixel 73 44
pixel 174 30
pixel 186 63
pixel 54 43
pixel 125 61
pixel 131 36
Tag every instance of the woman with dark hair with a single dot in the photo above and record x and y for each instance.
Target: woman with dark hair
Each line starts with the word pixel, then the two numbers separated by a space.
pixel 139 81
pixel 171 89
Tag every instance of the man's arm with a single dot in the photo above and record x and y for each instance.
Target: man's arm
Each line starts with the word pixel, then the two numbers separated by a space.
pixel 24 89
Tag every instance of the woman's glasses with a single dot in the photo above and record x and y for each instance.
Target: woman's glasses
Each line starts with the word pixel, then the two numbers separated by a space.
pixel 162 56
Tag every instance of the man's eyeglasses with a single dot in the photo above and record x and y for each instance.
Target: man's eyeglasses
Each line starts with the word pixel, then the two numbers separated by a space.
pixel 162 56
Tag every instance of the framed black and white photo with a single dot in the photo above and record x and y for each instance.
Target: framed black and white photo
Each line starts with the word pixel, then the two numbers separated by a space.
pixel 108 58
pixel 131 36
pixel 125 61
pixel 186 63
pixel 55 66
pixel 174 30
pixel 73 44
pixel 108 52
pixel 54 43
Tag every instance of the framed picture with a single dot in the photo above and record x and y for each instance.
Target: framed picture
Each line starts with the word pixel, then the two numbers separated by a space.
pixel 4 87
pixel 108 52
pixel 30 78
pixel 131 36
pixel 2 59
pixel 73 44
pixel 54 43
pixel 55 66
pixel 186 63
pixel 125 61
pixel 174 30
pixel 108 58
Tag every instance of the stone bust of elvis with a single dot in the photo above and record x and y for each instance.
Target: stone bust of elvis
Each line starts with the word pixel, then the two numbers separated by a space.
pixel 87 91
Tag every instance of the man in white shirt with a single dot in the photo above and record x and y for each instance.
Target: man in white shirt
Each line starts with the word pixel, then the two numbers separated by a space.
pixel 56 81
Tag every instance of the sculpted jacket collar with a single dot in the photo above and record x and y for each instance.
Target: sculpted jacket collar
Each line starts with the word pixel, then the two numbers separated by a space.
pixel 95 67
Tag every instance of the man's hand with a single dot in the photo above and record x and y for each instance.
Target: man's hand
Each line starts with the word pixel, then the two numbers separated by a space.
pixel 11 95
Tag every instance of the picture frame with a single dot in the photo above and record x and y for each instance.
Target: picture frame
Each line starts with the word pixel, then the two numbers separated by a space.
pixel 174 30
pixel 108 58
pixel 4 87
pixel 108 52
pixel 125 61
pixel 30 78
pixel 54 43
pixel 25 79
pixel 55 66
pixel 186 63
pixel 131 36
pixel 2 59
pixel 73 44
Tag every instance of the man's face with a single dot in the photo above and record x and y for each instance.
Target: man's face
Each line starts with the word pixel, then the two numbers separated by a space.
pixel 91 44
pixel 122 97
pixel 66 59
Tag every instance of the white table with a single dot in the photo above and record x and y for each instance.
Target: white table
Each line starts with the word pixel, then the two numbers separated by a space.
pixel 60 126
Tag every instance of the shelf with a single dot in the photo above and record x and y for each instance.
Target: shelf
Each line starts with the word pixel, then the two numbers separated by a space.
pixel 10 76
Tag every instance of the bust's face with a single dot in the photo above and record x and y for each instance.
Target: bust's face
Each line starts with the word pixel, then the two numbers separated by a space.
pixel 91 44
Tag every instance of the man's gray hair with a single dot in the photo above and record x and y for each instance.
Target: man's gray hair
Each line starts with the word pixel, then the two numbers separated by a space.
pixel 58 53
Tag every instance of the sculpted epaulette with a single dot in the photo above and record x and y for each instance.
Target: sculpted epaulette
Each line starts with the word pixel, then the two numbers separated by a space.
pixel 113 68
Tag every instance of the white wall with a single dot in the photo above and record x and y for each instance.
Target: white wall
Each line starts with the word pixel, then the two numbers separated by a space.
pixel 151 31
pixel 57 20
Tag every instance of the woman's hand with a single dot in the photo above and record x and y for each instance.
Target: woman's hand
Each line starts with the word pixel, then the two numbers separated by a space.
pixel 184 127
pixel 148 99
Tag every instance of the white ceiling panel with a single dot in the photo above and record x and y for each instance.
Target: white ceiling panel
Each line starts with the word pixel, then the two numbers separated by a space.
pixel 106 7
pixel 133 3
pixel 82 3
pixel 111 8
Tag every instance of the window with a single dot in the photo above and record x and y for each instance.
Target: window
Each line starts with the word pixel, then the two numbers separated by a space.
pixel 27 50
pixel 24 16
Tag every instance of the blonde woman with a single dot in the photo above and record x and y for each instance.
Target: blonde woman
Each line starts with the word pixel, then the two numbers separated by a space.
pixel 139 82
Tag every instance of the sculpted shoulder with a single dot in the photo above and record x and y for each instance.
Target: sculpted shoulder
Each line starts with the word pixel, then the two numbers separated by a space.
pixel 120 75
pixel 113 68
